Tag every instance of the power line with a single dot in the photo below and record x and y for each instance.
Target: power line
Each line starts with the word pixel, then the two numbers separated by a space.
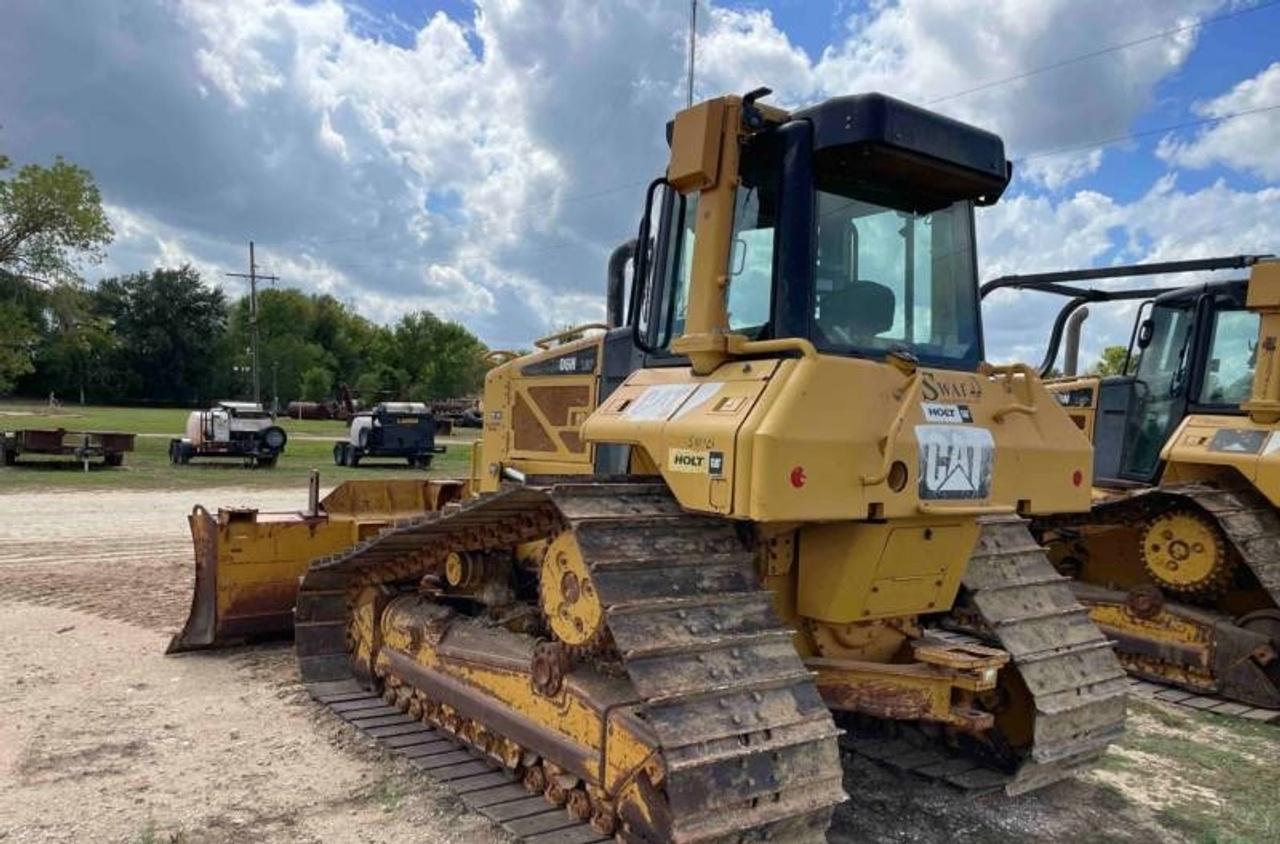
pixel 1190 124
pixel 253 277
pixel 1114 48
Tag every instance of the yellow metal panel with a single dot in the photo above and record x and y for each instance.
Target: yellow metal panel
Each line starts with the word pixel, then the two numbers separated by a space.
pixel 859 571
pixel 1264 286
pixel 809 437
pixel 687 423
pixel 695 146
pixel 1204 445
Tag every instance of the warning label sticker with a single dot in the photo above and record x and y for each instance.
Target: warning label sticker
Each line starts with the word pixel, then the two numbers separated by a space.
pixel 659 401
pixel 955 461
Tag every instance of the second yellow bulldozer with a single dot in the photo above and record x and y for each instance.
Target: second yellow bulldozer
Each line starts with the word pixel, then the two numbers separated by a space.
pixel 786 496
pixel 1179 558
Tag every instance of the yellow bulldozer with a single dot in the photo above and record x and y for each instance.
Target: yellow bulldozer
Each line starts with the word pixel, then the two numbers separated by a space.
pixel 1179 559
pixel 781 496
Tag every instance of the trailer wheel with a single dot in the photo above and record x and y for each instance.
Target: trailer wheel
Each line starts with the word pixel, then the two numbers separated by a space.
pixel 113 458
pixel 339 454
pixel 8 456
pixel 185 453
pixel 353 457
pixel 266 462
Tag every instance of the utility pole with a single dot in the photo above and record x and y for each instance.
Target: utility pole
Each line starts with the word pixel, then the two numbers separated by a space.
pixel 693 40
pixel 253 277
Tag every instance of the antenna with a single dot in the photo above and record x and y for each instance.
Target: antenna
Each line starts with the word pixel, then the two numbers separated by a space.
pixel 693 41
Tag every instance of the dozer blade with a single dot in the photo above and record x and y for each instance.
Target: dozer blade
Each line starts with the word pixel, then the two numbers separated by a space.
pixel 248 563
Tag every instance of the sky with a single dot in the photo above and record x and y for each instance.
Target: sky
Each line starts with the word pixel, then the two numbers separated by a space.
pixel 480 158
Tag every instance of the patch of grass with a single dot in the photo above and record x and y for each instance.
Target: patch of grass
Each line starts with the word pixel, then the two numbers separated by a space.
pixel 310 447
pixel 1247 785
pixel 147 836
pixel 1164 714
pixel 388 794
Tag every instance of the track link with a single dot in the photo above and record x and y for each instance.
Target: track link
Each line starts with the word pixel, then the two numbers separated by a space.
pixel 748 744
pixel 492 791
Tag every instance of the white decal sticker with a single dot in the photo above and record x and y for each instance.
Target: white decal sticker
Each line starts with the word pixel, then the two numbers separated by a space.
pixel 704 393
pixel 947 414
pixel 955 461
pixel 658 401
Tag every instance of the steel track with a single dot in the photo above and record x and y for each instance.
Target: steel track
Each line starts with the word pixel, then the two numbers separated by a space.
pixel 749 745
pixel 1251 526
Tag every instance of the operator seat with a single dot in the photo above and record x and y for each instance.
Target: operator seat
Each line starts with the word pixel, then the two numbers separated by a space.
pixel 857 312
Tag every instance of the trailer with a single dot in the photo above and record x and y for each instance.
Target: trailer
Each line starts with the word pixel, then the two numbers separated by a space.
pixel 231 429
pixel 391 429
pixel 84 446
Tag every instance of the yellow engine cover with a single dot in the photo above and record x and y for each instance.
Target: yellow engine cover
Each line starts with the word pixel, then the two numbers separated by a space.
pixel 825 438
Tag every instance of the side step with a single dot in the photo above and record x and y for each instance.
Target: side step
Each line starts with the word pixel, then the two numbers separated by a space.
pixel 492 791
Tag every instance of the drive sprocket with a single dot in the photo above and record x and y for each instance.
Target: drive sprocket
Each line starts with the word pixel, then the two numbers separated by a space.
pixel 571 606
pixel 1184 551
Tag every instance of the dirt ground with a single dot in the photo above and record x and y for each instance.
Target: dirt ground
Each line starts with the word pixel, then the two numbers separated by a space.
pixel 102 738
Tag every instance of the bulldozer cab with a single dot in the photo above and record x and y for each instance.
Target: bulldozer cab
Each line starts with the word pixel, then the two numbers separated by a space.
pixel 1192 350
pixel 1196 352
pixel 848 225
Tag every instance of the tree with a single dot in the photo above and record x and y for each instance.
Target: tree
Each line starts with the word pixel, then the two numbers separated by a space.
pixel 170 325
pixel 1112 361
pixel 443 359
pixel 17 343
pixel 316 384
pixel 49 218
pixel 80 345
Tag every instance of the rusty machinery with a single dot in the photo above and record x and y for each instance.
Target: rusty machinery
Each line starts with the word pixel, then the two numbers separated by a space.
pixel 1179 559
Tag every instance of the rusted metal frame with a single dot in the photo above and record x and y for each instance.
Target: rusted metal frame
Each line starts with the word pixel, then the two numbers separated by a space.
pixel 908 692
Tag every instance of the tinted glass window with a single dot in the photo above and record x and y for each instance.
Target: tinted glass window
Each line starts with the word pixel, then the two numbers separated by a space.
pixel 888 278
pixel 1228 377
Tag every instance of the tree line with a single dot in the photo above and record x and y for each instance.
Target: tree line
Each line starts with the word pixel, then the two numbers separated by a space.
pixel 169 336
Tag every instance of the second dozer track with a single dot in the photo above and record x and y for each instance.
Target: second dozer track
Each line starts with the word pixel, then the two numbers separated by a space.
pixel 693 718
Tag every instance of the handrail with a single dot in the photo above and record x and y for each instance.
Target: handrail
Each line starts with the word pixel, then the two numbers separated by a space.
pixel 497 357
pixel 545 342
pixel 738 344
pixel 1008 371
pixel 909 392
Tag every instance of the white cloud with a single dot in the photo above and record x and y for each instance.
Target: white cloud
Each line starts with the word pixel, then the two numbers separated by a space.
pixel 1246 143
pixel 927 51
pixel 1026 234
pixel 483 166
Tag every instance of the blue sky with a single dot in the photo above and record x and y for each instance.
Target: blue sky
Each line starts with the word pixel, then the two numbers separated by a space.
pixel 480 158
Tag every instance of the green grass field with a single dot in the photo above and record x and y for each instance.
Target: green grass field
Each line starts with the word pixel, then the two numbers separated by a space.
pixel 147 467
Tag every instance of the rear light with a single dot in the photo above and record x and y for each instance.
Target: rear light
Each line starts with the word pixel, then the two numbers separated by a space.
pixel 1077 477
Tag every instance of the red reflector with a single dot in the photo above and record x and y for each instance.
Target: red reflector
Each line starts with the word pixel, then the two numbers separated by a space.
pixel 1077 477
pixel 797 477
